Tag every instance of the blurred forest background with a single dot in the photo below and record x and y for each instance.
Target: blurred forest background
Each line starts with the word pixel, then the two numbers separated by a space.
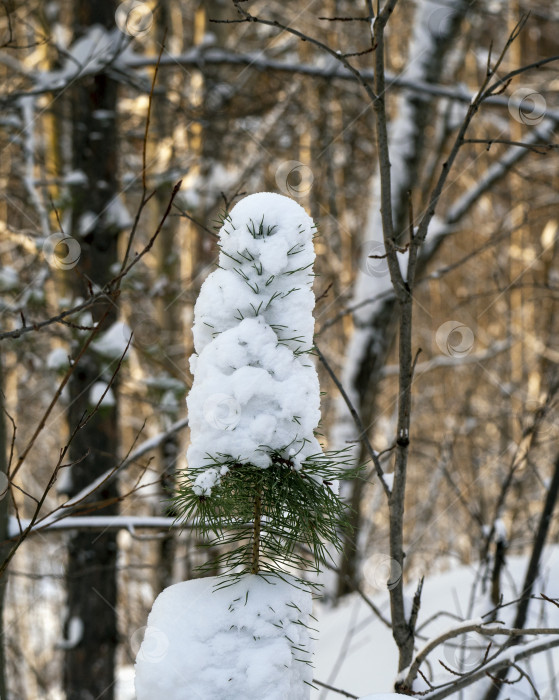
pixel 114 176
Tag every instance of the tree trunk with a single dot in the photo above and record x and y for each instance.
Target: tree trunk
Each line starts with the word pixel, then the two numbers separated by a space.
pixel 376 324
pixel 167 309
pixel 91 623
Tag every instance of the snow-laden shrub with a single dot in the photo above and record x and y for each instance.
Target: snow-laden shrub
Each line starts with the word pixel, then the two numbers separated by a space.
pixel 257 476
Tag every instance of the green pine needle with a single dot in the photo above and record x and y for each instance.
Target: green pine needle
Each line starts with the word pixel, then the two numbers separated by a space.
pixel 295 507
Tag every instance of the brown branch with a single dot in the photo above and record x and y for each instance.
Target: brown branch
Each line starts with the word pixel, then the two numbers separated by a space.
pixel 335 690
pixel 59 318
pixel 448 689
pixel 475 104
pixel 150 243
pixel 148 116
pixel 357 420
pixel 56 396
pixel 345 19
pixel 550 600
pixel 247 17
pixel 539 148
pixel 80 424
pixel 505 80
pixel 492 630
pixel 145 198
pixel 532 570
pixel 383 155
pixel 194 221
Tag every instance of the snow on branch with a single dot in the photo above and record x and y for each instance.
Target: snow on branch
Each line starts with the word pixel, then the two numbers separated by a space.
pixel 505 660
pixel 64 511
pixel 451 361
pixel 99 52
pixel 408 675
pixel 94 522
pixel 542 133
pixel 204 55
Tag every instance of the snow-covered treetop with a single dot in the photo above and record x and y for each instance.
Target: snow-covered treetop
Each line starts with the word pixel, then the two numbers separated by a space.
pixel 255 391
pixel 253 458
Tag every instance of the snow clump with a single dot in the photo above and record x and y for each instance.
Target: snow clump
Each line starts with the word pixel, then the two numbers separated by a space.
pixel 250 640
pixel 255 396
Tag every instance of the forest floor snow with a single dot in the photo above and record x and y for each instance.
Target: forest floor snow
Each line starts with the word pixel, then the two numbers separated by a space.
pixel 355 650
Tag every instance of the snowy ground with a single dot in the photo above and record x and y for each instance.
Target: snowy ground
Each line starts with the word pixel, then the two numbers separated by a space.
pixel 355 651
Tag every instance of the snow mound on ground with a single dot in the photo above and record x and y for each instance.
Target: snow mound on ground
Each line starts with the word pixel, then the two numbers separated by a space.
pixel 250 640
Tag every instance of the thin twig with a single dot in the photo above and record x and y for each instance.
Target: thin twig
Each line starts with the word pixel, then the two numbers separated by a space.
pixel 56 396
pixel 145 197
pixel 360 427
pixel 335 690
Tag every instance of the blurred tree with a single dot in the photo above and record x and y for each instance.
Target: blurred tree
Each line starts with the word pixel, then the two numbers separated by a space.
pixel 4 549
pixel 91 618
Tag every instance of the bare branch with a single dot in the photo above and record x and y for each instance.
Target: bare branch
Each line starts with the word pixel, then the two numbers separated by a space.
pixel 360 427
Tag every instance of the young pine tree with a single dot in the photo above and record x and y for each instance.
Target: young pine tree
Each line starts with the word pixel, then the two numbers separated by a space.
pixel 257 477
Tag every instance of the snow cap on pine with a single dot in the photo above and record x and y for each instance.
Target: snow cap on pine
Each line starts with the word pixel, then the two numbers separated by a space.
pixel 255 392
pixel 248 641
